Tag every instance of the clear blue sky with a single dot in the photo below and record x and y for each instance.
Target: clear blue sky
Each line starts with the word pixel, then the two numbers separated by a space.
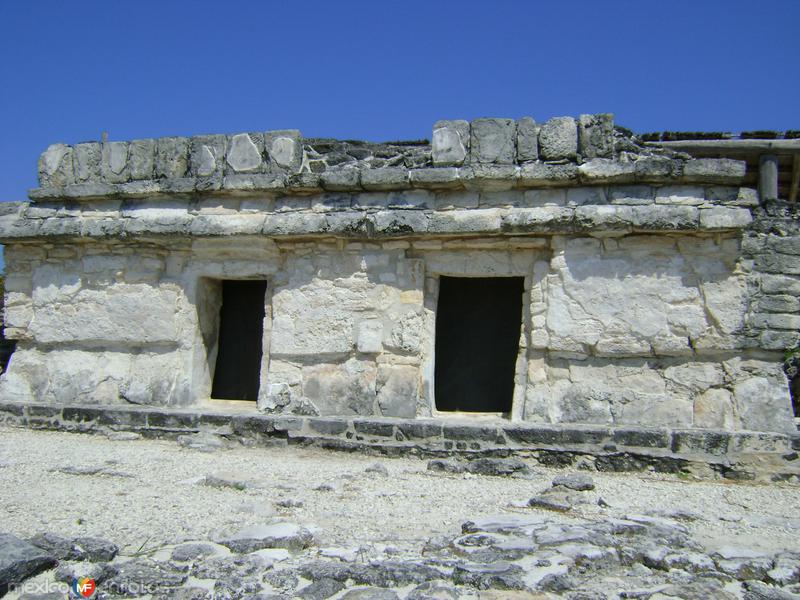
pixel 380 70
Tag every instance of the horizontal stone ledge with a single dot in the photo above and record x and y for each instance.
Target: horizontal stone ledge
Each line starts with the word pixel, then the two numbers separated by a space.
pixel 382 224
pixel 597 171
pixel 615 448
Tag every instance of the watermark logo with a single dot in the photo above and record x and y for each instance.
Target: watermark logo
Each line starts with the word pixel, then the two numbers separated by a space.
pixel 83 587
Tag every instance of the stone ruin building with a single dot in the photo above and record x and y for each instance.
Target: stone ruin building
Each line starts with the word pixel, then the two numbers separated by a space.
pixel 563 285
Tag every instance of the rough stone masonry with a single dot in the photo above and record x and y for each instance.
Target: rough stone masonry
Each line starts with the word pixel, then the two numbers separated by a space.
pixel 658 289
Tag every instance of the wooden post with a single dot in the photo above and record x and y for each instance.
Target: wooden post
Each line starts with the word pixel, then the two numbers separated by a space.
pixel 768 177
pixel 795 178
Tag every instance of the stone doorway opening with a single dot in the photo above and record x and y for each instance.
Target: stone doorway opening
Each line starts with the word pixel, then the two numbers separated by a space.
pixel 478 322
pixel 239 349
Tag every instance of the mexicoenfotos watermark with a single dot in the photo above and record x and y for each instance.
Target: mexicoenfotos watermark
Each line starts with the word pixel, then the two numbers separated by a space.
pixel 82 587
pixel 85 587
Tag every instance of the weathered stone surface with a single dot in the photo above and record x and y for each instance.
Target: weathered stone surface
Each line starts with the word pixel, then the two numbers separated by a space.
pixel 257 537
pixel 141 155
pixel 243 155
pixel 284 148
pixel 20 560
pixel 596 135
pixel 86 161
pixel 580 482
pixel 558 139
pixel 450 143
pixel 493 141
pixel 172 157
pixel 55 166
pixel 114 162
pixel 527 140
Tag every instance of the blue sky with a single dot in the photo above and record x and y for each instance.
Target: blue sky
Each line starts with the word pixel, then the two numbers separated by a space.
pixel 382 70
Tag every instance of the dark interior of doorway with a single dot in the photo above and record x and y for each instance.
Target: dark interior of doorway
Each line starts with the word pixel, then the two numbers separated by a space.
pixel 241 329
pixel 477 340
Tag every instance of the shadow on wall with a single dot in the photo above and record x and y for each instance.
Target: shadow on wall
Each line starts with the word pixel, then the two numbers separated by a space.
pixel 792 367
pixel 6 346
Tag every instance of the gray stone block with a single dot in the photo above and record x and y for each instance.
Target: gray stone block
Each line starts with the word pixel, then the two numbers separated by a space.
pixel 558 139
pixel 527 140
pixel 606 170
pixel 714 170
pixel 142 154
pixel 596 135
pixel 492 141
pixel 244 154
pixel 435 178
pixel 388 178
pixel 172 157
pixel 86 161
pixel 285 149
pixel 656 168
pixel 207 155
pixel 450 143
pixel 55 166
pixel 90 189
pixel 341 180
pixel 114 162
pixel 489 177
pixel 20 560
pixel 543 175
pixel 721 217
pixel 254 181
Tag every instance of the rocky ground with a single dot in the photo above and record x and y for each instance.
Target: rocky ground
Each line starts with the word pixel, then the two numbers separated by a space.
pixel 206 519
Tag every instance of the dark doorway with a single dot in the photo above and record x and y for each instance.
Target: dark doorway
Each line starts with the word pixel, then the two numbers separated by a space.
pixel 477 341
pixel 241 328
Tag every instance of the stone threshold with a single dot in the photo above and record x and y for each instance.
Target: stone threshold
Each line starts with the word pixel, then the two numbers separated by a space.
pixel 741 455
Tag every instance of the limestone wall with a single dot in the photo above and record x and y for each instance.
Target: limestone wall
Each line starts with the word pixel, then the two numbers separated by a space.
pixel 640 329
pixel 657 289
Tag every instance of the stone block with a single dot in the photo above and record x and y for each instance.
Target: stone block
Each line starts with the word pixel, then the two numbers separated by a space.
pixel 207 153
pixel 527 140
pixel 536 174
pixel 114 162
pixel 243 155
pixel 55 166
pixel 348 179
pixel 725 218
pixel 398 390
pixel 596 135
pixel 642 438
pixel 141 160
pixel 387 178
pixel 789 322
pixel 713 409
pixel 172 157
pixel 285 149
pixel 714 170
pixel 450 143
pixel 779 304
pixel 369 339
pixel 605 170
pixel 492 141
pixel 633 195
pixel 86 161
pixel 435 178
pixel 488 177
pixel 655 168
pixel 762 404
pixel 780 284
pixel 341 389
pixel 558 139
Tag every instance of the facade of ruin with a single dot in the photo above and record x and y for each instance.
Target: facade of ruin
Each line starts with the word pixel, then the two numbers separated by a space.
pixel 560 273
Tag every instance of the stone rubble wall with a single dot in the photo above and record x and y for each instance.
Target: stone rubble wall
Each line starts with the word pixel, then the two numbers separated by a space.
pixel 486 152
